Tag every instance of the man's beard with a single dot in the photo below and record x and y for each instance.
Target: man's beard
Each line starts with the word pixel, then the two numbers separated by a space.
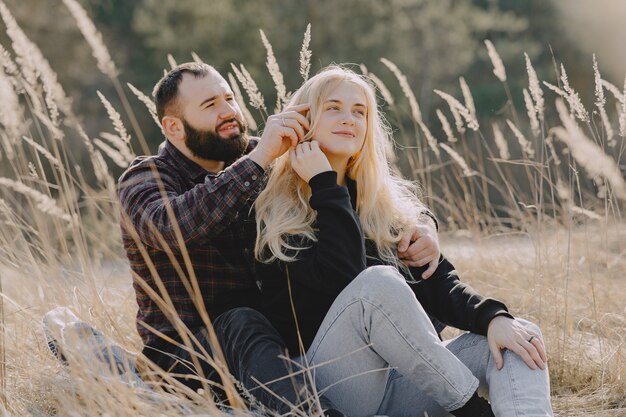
pixel 209 145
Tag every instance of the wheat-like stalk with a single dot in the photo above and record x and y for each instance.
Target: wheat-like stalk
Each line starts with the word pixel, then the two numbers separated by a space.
pixel 242 104
pixel 11 112
pixel 406 89
pixel 171 61
pixel 256 98
pixel 622 115
pixel 601 102
pixel 526 146
pixel 535 87
pixel 467 97
pixel 576 106
pixel 44 203
pixel 112 153
pixel 93 38
pixel 503 147
pixel 115 118
pixel 467 172
pixel 147 101
pixel 274 70
pixel 532 113
pixel 587 153
pixel 445 125
pixel 121 146
pixel 33 65
pixel 496 61
pixel 305 54
pixel 453 103
pixel 43 151
pixel 430 139
pixel 382 88
pixel 614 90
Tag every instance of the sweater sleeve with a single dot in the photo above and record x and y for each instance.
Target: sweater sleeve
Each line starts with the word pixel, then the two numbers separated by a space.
pixel 338 255
pixel 453 302
pixel 164 216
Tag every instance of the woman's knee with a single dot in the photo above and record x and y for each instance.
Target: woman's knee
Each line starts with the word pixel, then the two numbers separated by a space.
pixel 383 282
pixel 530 326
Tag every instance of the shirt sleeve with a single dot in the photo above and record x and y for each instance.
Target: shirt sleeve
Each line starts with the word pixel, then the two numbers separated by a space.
pixel 453 302
pixel 164 215
pixel 338 255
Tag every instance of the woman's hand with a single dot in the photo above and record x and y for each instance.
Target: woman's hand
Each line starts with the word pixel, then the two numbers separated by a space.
pixel 507 333
pixel 308 160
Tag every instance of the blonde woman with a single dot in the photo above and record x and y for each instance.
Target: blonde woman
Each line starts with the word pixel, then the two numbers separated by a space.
pixel 328 225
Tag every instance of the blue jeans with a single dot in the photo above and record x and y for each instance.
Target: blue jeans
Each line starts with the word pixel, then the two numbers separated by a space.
pixel 377 352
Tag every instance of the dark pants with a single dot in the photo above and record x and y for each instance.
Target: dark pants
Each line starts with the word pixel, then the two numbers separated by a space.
pixel 251 348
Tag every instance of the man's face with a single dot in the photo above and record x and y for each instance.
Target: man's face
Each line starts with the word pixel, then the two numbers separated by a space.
pixel 213 123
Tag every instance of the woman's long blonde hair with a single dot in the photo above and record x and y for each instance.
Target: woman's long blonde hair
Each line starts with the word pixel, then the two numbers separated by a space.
pixel 386 203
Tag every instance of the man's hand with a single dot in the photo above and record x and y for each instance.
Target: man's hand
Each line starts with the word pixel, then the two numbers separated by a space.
pixel 507 333
pixel 282 131
pixel 419 245
pixel 308 160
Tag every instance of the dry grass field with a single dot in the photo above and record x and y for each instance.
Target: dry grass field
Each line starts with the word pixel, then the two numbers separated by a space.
pixel 533 207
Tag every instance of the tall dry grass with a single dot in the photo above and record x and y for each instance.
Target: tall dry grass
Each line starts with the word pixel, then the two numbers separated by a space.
pixel 532 205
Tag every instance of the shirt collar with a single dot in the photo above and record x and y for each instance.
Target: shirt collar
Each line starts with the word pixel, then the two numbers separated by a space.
pixel 181 162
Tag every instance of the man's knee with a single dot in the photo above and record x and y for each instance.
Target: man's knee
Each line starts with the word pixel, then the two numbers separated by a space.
pixel 242 323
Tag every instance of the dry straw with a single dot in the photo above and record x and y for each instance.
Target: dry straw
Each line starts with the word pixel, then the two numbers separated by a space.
pixel 467 97
pixel 503 148
pixel 171 61
pixel 305 54
pixel 534 87
pixel 406 89
pixel 256 98
pixel 115 118
pixel 576 106
pixel 120 145
pixel 277 76
pixel 601 102
pixel 496 61
pixel 622 116
pixel 430 139
pixel 43 151
pixel 147 101
pixel 467 172
pixel 384 91
pixel 33 65
pixel 587 153
pixel 242 104
pixel 526 146
pixel 93 38
pixel 445 125
pixel 532 113
pixel 453 103
pixel 44 203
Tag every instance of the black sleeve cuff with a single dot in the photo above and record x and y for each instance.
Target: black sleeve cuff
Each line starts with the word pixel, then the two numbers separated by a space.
pixel 432 216
pixel 489 314
pixel 323 180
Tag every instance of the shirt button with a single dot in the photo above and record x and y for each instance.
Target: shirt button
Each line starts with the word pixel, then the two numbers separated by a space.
pixel 254 177
pixel 247 184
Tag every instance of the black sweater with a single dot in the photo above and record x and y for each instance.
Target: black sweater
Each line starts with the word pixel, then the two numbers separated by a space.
pixel 327 266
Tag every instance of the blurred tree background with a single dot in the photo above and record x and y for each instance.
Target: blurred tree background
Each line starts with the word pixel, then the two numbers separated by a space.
pixel 432 42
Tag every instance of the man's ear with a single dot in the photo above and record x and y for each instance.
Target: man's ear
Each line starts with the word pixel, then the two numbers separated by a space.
pixel 173 128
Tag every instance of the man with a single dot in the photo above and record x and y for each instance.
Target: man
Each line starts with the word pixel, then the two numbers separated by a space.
pixel 186 236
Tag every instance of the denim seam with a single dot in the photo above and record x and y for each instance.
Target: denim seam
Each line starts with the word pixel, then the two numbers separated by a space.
pixel 474 385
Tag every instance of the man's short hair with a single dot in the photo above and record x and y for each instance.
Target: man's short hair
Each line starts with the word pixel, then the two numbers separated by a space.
pixel 165 91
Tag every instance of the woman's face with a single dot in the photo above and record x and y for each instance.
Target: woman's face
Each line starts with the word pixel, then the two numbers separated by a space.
pixel 342 123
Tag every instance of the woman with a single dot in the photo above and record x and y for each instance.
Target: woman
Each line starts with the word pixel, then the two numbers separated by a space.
pixel 328 224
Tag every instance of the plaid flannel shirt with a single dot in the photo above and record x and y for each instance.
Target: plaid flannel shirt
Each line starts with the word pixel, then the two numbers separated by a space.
pixel 196 210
